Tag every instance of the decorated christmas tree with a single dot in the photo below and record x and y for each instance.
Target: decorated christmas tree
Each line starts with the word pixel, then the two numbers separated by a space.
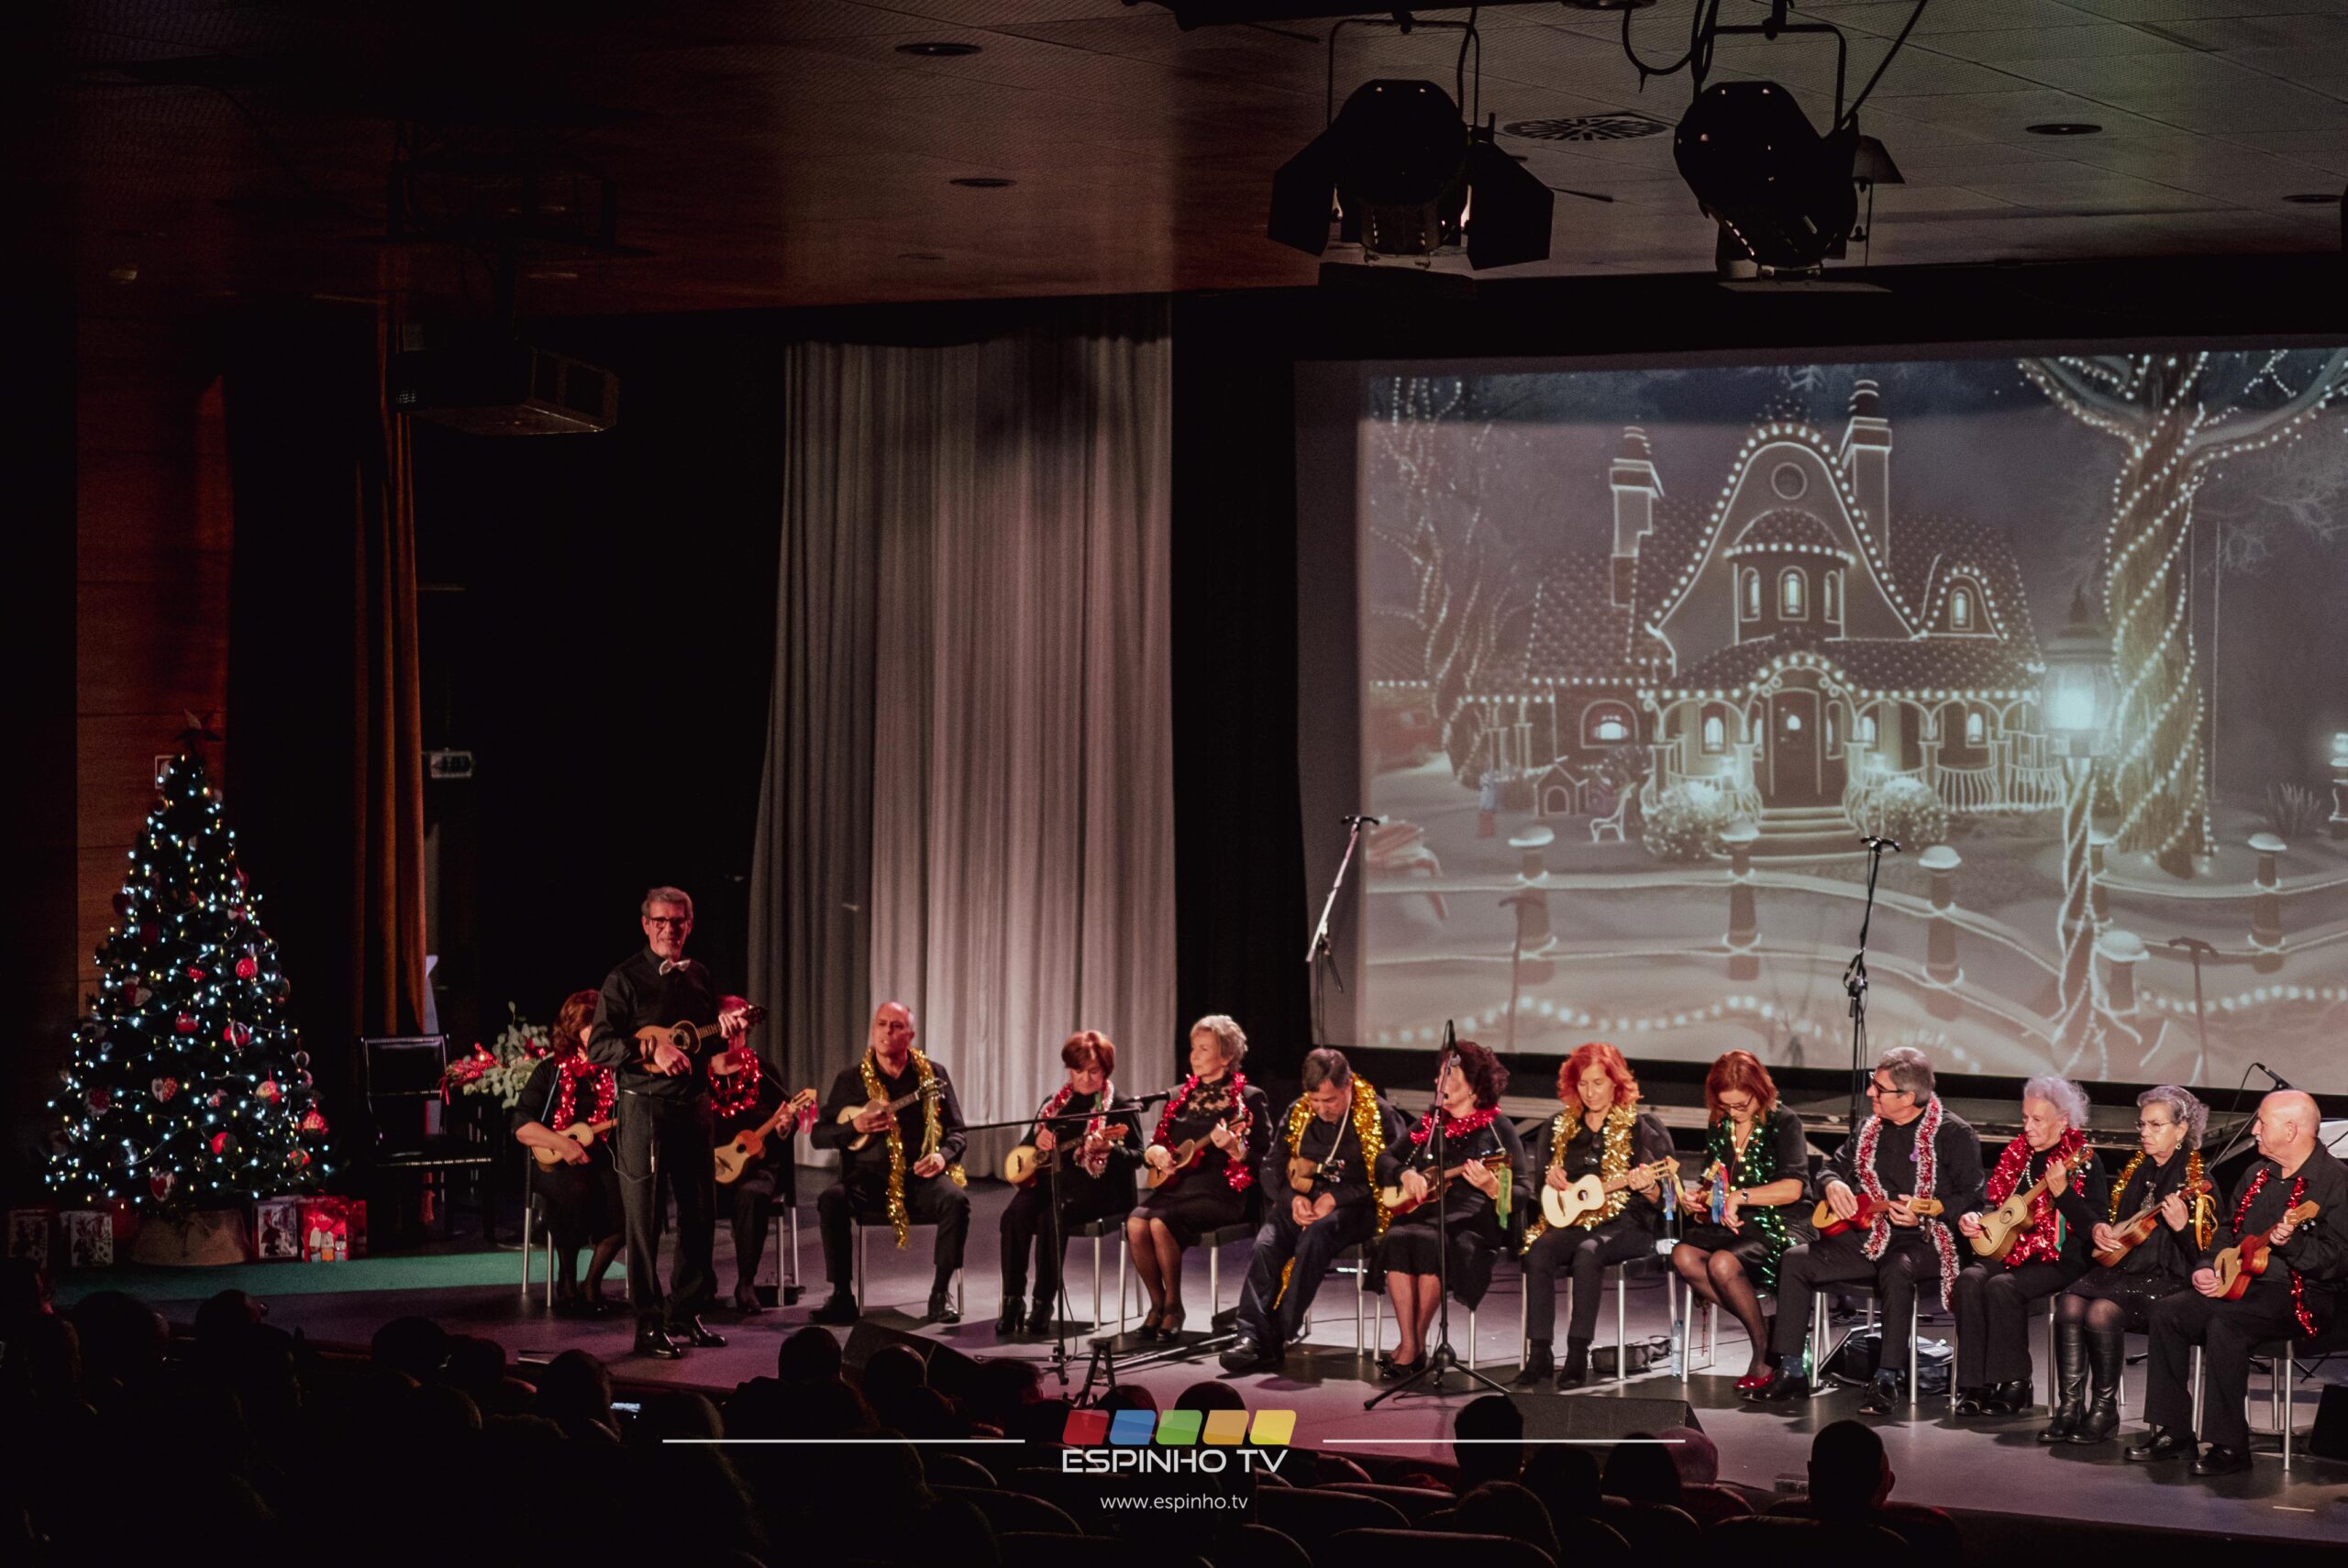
pixel 188 1087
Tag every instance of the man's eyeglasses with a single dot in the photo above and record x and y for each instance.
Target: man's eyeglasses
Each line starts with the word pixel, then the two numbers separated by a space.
pixel 679 921
pixel 1883 1091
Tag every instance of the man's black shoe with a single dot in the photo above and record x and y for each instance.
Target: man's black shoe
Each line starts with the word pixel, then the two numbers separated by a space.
pixel 1245 1355
pixel 2220 1460
pixel 2010 1398
pixel 1007 1321
pixel 1040 1318
pixel 1785 1386
pixel 2159 1443
pixel 942 1310
pixel 695 1332
pixel 1885 1395
pixel 840 1308
pixel 652 1342
pixel 1538 1366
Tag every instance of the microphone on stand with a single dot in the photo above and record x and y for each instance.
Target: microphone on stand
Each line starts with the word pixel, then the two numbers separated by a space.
pixel 2277 1079
pixel 1874 842
pixel 1358 820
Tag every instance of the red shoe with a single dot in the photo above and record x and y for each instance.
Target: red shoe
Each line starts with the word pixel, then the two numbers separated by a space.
pixel 1752 1380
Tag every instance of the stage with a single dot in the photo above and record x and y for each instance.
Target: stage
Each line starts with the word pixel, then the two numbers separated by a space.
pixel 1994 1468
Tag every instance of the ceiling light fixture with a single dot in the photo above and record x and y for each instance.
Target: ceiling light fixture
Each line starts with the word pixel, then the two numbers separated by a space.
pixel 938 51
pixel 2065 127
pixel 1785 197
pixel 1410 181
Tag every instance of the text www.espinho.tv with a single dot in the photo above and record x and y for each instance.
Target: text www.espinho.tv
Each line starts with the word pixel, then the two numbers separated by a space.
pixel 1173 1502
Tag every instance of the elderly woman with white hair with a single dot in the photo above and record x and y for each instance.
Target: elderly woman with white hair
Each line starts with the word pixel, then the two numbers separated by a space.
pixel 2051 1168
pixel 1203 1159
pixel 2163 1181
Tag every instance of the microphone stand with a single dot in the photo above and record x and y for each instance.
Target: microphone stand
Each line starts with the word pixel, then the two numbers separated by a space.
pixel 1319 952
pixel 1060 1126
pixel 1440 1357
pixel 2200 950
pixel 1855 982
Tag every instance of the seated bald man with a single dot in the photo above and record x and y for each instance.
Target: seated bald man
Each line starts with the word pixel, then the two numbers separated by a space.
pixel 910 1167
pixel 2299 1294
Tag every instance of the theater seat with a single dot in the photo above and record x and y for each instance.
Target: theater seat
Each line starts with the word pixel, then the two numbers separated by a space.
pixel 1007 1512
pixel 1415 1502
pixel 1417 1548
pixel 1709 1505
pixel 1657 1531
pixel 1243 1546
pixel 1312 1517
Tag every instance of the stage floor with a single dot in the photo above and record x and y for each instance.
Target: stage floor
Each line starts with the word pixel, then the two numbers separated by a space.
pixel 1993 1466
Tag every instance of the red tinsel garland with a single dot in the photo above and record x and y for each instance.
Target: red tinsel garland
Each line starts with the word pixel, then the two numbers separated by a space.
pixel 735 1093
pixel 1466 1126
pixel 2241 1212
pixel 1235 1169
pixel 568 1073
pixel 2042 1241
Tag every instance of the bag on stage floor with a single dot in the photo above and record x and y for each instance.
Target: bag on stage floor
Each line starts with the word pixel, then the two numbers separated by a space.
pixel 1862 1347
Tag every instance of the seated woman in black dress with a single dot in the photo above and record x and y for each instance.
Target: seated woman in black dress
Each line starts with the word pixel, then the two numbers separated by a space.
pixel 2095 1313
pixel 1476 1207
pixel 1219 1108
pixel 1095 1182
pixel 1745 1208
pixel 582 1191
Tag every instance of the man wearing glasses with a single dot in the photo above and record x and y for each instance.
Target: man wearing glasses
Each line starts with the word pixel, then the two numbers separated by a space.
pixel 1911 1149
pixel 664 1128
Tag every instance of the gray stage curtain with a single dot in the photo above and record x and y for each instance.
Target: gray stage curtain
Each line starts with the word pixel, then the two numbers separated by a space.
pixel 1010 767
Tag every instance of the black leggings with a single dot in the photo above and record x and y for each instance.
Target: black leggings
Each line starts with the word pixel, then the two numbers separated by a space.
pixel 1585 1256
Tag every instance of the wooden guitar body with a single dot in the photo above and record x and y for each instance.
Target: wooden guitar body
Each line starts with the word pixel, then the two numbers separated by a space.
pixel 1562 1206
pixel 582 1133
pixel 1025 1164
pixel 1828 1225
pixel 2141 1227
pixel 1186 1155
pixel 2001 1227
pixel 1399 1203
pixel 749 1145
pixel 2237 1266
pixel 849 1113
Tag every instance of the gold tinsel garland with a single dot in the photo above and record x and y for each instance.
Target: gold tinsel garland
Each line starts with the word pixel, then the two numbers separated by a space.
pixel 898 1220
pixel 1614 1160
pixel 2204 1219
pixel 1370 1128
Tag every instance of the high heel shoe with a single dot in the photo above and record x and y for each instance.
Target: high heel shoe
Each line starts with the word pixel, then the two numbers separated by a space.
pixel 1149 1321
pixel 1170 1322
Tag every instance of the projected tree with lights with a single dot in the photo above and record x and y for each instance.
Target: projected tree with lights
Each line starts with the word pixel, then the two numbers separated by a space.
pixel 2180 415
pixel 1469 607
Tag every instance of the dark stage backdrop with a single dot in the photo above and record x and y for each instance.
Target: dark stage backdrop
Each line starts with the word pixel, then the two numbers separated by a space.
pixel 598 632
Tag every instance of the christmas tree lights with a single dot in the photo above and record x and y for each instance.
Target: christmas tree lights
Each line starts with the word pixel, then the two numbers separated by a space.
pixel 188 1087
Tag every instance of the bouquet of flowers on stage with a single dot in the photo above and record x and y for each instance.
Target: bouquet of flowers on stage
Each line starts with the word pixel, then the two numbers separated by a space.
pixel 499 1069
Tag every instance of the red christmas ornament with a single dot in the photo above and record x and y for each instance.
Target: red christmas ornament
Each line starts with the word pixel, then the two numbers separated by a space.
pixel 101 1100
pixel 194 974
pixel 247 968
pixel 163 1089
pixel 236 1034
pixel 186 1024
pixel 160 1182
pixel 222 1142
pixel 313 1120
pixel 298 1158
pixel 218 1100
pixel 122 906
pixel 268 1090
pixel 147 934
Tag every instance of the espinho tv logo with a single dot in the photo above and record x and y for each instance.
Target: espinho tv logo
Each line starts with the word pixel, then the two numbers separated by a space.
pixel 1176 1442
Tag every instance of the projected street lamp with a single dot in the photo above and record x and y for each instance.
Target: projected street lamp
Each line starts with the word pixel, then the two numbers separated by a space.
pixel 2074 704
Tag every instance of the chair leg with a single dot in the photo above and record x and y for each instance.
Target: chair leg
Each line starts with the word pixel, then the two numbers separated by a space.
pixel 1214 1284
pixel 1916 1353
pixel 860 1234
pixel 1096 1279
pixel 526 1249
pixel 1471 1338
pixel 1361 1288
pixel 1622 1325
pixel 550 1269
pixel 1812 1349
pixel 1124 1251
pixel 2196 1388
pixel 795 1242
pixel 2290 1378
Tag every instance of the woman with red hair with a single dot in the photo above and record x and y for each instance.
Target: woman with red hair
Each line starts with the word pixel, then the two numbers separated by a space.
pixel 1096 1178
pixel 582 1189
pixel 1600 1139
pixel 1745 1207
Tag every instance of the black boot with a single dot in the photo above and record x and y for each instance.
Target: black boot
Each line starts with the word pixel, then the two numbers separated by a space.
pixel 2070 1383
pixel 1885 1395
pixel 2011 1397
pixel 2108 1361
pixel 1538 1367
pixel 1577 1368
pixel 1007 1321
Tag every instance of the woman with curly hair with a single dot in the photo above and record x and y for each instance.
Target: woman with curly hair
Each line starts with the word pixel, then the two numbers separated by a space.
pixel 2093 1316
pixel 1744 1208
pixel 1223 1113
pixel 1599 1132
pixel 582 1189
pixel 2053 1162
pixel 1476 1207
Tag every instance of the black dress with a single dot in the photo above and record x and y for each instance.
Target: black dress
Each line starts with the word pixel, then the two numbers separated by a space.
pixel 2162 1265
pixel 582 1202
pixel 1776 1151
pixel 1202 1198
pixel 1472 1219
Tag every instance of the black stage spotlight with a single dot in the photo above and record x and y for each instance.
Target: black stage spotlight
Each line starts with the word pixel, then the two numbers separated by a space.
pixel 1782 193
pixel 1409 182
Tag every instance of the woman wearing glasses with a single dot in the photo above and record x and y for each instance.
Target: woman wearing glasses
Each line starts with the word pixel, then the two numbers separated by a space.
pixel 1886 1188
pixel 1745 1208
pixel 2093 1316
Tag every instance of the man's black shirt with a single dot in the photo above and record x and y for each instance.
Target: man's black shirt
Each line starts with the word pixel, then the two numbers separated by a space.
pixel 636 994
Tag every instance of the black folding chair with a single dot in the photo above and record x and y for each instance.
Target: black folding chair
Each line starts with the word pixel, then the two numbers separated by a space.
pixel 400 1078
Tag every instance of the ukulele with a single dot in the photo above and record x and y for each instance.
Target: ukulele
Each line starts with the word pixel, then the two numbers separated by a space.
pixel 750 1143
pixel 1869 1211
pixel 2145 1222
pixel 1025 1164
pixel 933 1089
pixel 1186 1155
pixel 688 1037
pixel 2247 1259
pixel 1399 1203
pixel 1562 1206
pixel 582 1133
pixel 2001 1227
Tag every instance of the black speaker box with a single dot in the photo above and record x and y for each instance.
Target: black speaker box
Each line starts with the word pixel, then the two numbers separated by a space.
pixel 2329 1437
pixel 1602 1416
pixel 950 1371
